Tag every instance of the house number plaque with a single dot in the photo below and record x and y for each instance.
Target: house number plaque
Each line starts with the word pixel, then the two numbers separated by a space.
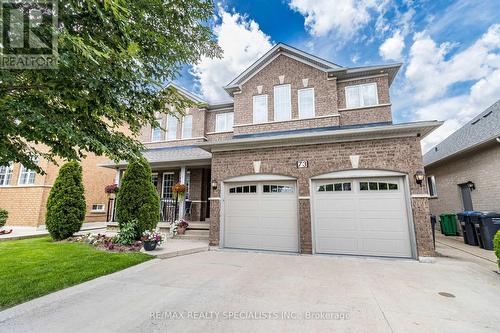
pixel 302 164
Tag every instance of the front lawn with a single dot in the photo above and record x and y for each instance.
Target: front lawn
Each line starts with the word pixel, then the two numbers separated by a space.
pixel 32 268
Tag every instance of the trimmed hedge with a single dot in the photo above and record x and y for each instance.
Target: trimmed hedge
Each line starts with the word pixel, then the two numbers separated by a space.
pixel 496 244
pixel 137 198
pixel 3 217
pixel 66 203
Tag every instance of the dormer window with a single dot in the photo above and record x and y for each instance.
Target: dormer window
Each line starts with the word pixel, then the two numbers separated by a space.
pixel 282 102
pixel 156 131
pixel 171 127
pixel 361 95
pixel 259 109
pixel 187 127
pixel 224 122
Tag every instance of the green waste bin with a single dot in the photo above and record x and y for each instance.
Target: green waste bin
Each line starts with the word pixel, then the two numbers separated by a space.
pixel 448 224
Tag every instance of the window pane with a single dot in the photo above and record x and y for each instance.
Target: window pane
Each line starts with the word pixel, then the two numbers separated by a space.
pixel 321 188
pixel 369 94
pixel 363 186
pixel 229 121
pixel 282 102
pixel 347 186
pixel 382 186
pixel 373 186
pixel 267 189
pixel 156 131
pixel 259 109
pixel 352 97
pixel 232 190
pixel 338 187
pixel 329 187
pixel 5 175
pixel 253 189
pixel 172 128
pixel 187 127
pixel 220 122
pixel 393 186
pixel 306 103
pixel 168 182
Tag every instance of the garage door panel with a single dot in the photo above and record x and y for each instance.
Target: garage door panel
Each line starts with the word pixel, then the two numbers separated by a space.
pixel 362 222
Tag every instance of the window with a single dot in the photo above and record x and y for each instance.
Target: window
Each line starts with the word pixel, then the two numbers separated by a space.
pixel 361 95
pixel 278 189
pixel 187 127
pixel 97 208
pixel 282 102
pixel 187 182
pixel 260 109
pixel 168 182
pixel 171 127
pixel 154 179
pixel 224 122
pixel 5 174
pixel 243 189
pixel 306 103
pixel 156 131
pixel 26 176
pixel 377 186
pixel 431 184
pixel 337 187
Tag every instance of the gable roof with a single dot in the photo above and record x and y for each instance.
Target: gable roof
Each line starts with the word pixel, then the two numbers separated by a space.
pixel 481 129
pixel 333 69
pixel 188 94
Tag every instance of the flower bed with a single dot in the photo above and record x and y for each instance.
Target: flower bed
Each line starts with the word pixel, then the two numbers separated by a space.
pixel 107 243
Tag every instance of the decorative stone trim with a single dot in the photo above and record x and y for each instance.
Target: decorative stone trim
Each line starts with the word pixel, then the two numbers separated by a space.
pixel 366 107
pixel 290 120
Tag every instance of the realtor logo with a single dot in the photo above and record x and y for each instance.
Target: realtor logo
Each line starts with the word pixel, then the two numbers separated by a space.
pixel 28 34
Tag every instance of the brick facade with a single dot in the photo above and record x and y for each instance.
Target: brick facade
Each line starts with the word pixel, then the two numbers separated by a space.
pixel 402 155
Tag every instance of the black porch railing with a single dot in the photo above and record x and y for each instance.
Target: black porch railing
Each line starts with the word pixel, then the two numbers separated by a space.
pixel 169 210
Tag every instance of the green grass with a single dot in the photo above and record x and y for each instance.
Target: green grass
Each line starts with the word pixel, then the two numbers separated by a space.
pixel 32 268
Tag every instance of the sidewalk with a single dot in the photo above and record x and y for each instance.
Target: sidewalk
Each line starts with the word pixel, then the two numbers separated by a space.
pixel 457 242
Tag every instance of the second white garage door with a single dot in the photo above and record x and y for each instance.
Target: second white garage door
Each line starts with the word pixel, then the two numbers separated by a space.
pixel 261 216
pixel 361 217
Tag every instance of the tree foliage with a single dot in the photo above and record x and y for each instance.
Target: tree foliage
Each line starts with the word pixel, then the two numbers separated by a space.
pixel 66 203
pixel 138 201
pixel 114 57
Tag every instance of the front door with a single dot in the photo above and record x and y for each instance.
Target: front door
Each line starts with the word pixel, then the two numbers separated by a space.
pixel 466 197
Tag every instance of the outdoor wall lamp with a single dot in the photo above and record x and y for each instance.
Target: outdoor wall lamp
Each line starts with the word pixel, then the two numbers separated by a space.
pixel 471 185
pixel 419 177
pixel 214 184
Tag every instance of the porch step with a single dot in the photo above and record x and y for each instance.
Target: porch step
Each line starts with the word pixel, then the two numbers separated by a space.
pixel 192 225
pixel 194 235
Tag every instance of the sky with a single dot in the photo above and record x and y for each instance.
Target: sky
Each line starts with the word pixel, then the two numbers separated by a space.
pixel 450 50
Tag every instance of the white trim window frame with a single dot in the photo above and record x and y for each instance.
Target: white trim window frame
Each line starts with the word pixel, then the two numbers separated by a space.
pixel 171 127
pixel 95 210
pixel 282 102
pixel 260 109
pixel 431 186
pixel 26 176
pixel 361 95
pixel 156 131
pixel 6 174
pixel 224 122
pixel 167 184
pixel 306 103
pixel 187 127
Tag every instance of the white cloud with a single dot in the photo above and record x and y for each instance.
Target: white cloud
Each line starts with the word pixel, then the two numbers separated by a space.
pixel 393 47
pixel 242 42
pixel 345 17
pixel 432 71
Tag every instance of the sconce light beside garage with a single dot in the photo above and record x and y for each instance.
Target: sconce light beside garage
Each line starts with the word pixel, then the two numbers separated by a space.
pixel 214 184
pixel 419 177
pixel 471 185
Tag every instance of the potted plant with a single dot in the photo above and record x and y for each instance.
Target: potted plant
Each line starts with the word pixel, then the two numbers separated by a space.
pixel 111 190
pixel 151 239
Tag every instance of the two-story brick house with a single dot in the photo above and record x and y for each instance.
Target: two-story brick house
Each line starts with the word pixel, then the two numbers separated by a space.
pixel 306 159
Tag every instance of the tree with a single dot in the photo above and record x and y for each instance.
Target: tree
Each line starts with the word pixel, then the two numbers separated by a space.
pixel 66 202
pixel 114 58
pixel 137 198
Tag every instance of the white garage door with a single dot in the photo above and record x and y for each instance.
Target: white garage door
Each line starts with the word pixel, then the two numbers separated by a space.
pixel 361 217
pixel 261 216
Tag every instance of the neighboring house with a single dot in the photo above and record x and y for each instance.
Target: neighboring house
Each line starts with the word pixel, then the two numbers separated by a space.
pixel 463 171
pixel 306 159
pixel 24 193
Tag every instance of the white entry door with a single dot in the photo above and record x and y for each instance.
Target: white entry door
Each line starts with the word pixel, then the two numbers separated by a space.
pixel 361 217
pixel 261 216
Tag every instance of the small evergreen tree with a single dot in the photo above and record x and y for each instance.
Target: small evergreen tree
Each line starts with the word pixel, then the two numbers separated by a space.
pixel 137 198
pixel 66 202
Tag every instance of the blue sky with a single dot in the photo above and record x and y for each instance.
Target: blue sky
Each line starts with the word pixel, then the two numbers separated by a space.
pixel 450 49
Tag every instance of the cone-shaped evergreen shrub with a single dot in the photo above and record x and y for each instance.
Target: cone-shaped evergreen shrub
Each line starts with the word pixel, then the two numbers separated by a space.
pixel 66 202
pixel 137 198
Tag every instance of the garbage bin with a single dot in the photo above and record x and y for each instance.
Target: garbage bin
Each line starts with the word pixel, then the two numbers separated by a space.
pixel 448 224
pixel 467 225
pixel 486 227
pixel 433 226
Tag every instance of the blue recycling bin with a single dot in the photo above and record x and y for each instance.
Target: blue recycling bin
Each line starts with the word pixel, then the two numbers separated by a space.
pixel 467 220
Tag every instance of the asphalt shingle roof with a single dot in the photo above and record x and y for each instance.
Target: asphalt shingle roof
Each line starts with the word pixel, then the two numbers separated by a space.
pixel 483 127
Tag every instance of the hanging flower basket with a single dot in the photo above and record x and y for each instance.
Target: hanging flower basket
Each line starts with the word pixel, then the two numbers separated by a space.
pixel 111 190
pixel 178 191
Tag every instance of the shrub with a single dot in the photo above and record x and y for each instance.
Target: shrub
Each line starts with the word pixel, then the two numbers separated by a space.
pixel 3 217
pixel 137 198
pixel 66 202
pixel 496 244
pixel 127 234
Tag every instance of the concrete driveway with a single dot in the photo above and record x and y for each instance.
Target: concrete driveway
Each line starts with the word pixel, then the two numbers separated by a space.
pixel 230 291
